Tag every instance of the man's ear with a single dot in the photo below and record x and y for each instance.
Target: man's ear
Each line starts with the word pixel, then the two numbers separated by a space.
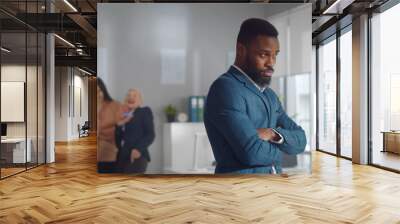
pixel 240 50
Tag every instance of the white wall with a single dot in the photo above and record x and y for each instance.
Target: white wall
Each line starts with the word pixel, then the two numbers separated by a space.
pixel 131 39
pixel 68 82
pixel 61 103
pixel 295 37
pixel 80 82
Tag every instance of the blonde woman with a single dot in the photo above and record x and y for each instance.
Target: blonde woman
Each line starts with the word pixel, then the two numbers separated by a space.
pixel 135 136
pixel 110 115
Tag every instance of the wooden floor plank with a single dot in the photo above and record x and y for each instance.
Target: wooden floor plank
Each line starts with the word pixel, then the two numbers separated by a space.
pixel 71 191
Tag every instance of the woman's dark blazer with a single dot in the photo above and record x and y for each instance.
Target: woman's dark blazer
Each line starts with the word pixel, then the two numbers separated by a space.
pixel 138 133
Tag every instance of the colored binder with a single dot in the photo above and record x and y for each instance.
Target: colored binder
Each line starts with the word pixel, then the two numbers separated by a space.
pixel 193 109
pixel 200 108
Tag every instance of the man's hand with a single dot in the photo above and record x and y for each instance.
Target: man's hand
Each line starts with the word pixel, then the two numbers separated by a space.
pixel 135 154
pixel 268 134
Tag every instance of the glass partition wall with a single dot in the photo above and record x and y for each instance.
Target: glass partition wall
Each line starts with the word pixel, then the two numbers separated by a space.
pixel 334 89
pixel 22 88
pixel 346 93
pixel 327 91
pixel 297 94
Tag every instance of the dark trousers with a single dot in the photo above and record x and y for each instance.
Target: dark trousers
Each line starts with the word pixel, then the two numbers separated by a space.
pixel 124 164
pixel 107 167
pixel 138 166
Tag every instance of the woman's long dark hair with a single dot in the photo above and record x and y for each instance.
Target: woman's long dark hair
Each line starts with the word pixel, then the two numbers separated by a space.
pixel 103 88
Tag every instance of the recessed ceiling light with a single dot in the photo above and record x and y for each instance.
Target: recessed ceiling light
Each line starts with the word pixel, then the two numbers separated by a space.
pixel 84 71
pixel 5 50
pixel 70 5
pixel 64 40
pixel 337 7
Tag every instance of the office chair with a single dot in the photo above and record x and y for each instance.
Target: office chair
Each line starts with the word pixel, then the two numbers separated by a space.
pixel 84 130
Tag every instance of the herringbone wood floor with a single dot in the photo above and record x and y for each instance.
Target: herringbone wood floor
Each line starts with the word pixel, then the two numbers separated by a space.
pixel 70 191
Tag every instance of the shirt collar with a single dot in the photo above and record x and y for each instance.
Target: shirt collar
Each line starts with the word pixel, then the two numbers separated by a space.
pixel 251 80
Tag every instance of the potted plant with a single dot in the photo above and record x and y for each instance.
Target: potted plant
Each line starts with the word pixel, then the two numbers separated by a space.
pixel 170 111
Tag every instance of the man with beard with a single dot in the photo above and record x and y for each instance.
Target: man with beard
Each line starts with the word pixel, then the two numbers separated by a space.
pixel 246 125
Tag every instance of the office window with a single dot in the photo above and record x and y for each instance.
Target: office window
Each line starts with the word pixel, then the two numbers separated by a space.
pixel 298 102
pixel 346 94
pixel 385 89
pixel 327 96
pixel 296 96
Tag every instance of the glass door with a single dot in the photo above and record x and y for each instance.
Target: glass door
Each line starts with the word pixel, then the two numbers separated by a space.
pixel 327 92
pixel 346 93
pixel 385 90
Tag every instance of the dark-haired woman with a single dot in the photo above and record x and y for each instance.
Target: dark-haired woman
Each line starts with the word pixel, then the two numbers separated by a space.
pixel 110 115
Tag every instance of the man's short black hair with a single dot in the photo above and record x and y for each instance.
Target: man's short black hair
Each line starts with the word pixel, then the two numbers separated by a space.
pixel 254 27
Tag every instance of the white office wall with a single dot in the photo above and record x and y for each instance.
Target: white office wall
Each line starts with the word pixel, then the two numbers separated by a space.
pixel 295 36
pixel 70 84
pixel 14 72
pixel 61 103
pixel 81 104
pixel 133 39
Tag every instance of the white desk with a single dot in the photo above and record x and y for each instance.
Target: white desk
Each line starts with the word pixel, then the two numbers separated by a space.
pixel 17 146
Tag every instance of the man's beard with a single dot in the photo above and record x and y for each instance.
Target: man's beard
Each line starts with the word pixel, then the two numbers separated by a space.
pixel 261 80
pixel 257 77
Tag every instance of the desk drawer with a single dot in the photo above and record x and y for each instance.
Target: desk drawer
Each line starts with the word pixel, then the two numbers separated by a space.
pixel 6 154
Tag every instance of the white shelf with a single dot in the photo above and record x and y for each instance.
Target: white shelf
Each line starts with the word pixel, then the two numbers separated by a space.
pixel 186 148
